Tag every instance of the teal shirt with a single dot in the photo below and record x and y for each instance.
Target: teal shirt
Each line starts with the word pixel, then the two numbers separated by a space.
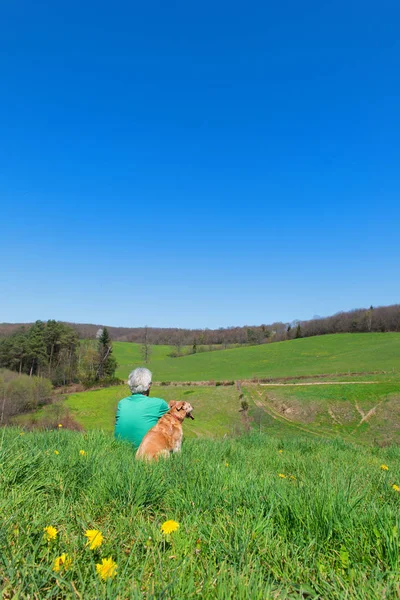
pixel 137 414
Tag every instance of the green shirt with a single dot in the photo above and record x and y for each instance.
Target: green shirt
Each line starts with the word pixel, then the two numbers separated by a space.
pixel 137 414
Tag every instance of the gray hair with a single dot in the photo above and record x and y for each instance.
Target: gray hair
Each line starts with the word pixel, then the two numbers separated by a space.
pixel 139 380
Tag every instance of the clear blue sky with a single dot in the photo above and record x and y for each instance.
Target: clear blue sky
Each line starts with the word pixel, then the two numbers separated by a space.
pixel 198 164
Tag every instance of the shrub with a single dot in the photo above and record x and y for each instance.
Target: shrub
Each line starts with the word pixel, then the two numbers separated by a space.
pixel 20 393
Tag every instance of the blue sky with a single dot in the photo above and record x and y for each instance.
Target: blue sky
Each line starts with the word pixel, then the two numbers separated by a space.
pixel 198 164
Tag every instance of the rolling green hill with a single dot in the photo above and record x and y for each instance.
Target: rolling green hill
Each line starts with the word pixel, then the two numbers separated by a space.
pixel 338 353
pixel 321 409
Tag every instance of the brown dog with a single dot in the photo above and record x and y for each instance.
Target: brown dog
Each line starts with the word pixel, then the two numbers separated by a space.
pixel 166 436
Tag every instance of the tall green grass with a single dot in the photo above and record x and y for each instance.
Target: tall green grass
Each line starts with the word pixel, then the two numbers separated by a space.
pixel 328 529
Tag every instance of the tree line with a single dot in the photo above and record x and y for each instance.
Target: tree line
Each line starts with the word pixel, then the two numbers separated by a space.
pixel 54 350
pixel 377 319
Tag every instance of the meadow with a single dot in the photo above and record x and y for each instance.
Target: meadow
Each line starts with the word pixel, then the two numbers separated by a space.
pixel 328 354
pixel 258 517
pixel 297 498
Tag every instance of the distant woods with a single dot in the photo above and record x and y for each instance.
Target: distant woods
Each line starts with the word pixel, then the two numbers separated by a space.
pixel 378 319
pixel 53 350
pixel 71 352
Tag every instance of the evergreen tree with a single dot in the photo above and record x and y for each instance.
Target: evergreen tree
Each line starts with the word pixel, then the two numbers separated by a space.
pixel 37 355
pixel 298 331
pixel 106 362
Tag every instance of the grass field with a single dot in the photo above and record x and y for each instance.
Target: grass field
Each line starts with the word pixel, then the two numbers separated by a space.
pixel 340 353
pixel 362 412
pixel 216 412
pixel 258 517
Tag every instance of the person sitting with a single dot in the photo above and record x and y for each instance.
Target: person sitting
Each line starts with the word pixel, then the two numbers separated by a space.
pixel 138 413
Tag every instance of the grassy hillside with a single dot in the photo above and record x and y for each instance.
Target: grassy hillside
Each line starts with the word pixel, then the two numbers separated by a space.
pixel 366 413
pixel 129 356
pixel 284 519
pixel 310 356
pixel 216 412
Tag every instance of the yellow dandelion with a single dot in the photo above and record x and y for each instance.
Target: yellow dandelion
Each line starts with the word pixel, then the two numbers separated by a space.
pixel 56 452
pixel 280 451
pixel 22 433
pixel 227 464
pixel 396 487
pixel 59 426
pixel 82 452
pixel 169 527
pixel 62 562
pixel 50 533
pixel 281 475
pixel 95 538
pixel 384 468
pixel 292 477
pixel 107 568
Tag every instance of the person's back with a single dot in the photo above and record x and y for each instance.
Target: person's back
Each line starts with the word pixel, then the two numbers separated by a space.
pixel 136 414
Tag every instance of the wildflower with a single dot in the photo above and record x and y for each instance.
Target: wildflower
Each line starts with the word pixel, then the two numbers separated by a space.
pixel 22 433
pixel 292 477
pixel 396 487
pixel 50 533
pixel 281 475
pixel 384 468
pixel 82 452
pixel 63 561
pixel 56 452
pixel 169 527
pixel 280 451
pixel 227 464
pixel 95 538
pixel 59 426
pixel 107 568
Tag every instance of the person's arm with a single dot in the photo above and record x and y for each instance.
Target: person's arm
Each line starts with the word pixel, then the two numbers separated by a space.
pixel 117 415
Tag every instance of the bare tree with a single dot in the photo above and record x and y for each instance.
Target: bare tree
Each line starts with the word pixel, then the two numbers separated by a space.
pixel 146 348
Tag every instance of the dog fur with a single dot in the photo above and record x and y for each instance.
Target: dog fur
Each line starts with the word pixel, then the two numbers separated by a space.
pixel 166 436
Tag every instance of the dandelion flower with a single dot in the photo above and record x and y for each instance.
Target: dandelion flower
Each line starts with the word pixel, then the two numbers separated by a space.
pixel 82 452
pixel 62 562
pixel 281 475
pixel 227 464
pixel 56 452
pixel 59 426
pixel 107 568
pixel 22 433
pixel 280 451
pixel 384 468
pixel 50 533
pixel 396 487
pixel 169 527
pixel 292 477
pixel 95 538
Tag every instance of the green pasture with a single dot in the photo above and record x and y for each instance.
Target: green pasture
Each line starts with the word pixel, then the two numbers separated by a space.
pixel 216 408
pixel 330 354
pixel 259 517
pixel 363 412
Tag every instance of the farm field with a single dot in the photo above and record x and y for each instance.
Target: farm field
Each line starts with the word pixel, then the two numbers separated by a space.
pixel 329 354
pixel 293 518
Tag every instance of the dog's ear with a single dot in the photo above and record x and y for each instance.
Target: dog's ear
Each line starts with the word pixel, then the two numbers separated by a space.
pixel 172 403
pixel 180 405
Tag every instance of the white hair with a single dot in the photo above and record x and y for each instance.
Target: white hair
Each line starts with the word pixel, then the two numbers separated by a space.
pixel 139 380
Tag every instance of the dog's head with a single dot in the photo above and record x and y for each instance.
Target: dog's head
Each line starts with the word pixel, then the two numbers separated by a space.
pixel 181 407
